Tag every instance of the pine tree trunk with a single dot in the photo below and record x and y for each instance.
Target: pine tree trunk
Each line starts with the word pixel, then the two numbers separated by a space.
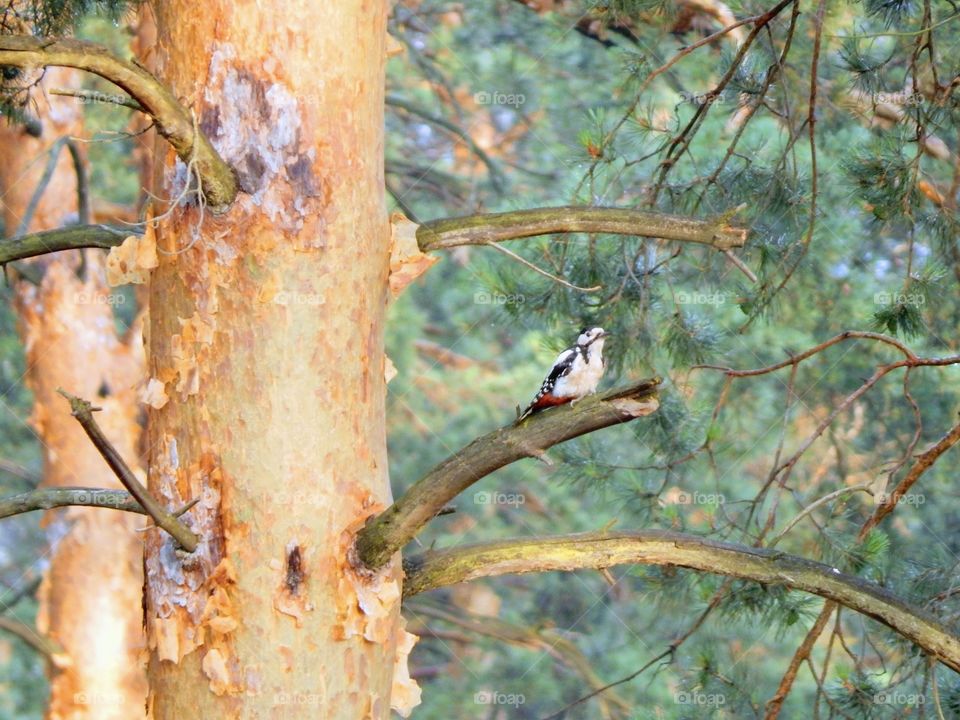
pixel 266 331
pixel 90 597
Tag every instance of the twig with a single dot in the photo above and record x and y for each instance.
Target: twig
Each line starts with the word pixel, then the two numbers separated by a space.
pixel 94 96
pixel 741 265
pixel 523 261
pixel 814 505
pixel 83 412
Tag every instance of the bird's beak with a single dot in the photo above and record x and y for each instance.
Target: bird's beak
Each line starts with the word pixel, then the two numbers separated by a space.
pixel 605 334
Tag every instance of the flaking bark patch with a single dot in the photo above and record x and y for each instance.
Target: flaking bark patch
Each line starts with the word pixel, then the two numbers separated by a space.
pixel 369 601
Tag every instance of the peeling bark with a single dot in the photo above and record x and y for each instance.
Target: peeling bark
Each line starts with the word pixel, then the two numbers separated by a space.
pixel 90 597
pixel 266 341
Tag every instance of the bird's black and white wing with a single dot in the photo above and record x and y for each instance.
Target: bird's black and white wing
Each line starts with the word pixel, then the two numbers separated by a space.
pixel 561 368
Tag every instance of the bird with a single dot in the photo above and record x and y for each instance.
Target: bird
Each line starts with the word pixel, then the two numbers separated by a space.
pixel 575 374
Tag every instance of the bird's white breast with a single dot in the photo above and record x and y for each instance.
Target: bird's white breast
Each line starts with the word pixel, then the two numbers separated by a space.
pixel 584 376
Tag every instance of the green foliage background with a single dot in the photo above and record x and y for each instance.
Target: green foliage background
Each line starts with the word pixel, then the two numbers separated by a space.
pixel 566 117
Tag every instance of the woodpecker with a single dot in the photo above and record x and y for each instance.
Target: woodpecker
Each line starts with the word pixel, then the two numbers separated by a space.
pixel 575 374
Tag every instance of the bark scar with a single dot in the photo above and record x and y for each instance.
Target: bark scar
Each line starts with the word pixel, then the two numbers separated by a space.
pixel 294 570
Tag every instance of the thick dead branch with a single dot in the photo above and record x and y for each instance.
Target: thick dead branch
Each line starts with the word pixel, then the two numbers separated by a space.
pixel 659 547
pixel 489 228
pixel 53 497
pixel 174 122
pixel 83 412
pixel 402 521
pixel 72 237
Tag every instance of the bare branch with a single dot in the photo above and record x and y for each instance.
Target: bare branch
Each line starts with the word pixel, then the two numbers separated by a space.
pixel 659 547
pixel 487 228
pixel 72 237
pixel 52 497
pixel 923 463
pixel 794 359
pixel 402 521
pixel 174 122
pixel 83 412
pixel 46 646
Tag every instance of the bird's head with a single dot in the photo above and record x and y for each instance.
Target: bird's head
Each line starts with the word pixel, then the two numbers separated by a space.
pixel 592 337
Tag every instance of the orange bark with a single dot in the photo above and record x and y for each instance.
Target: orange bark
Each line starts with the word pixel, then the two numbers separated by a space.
pixel 266 336
pixel 90 598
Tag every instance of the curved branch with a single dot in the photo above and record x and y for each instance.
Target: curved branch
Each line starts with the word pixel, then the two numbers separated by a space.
pixel 72 237
pixel 660 547
pixel 53 497
pixel 402 521
pixel 486 228
pixel 795 359
pixel 174 122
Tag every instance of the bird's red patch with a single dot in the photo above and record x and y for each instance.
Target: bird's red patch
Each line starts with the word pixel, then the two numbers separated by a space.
pixel 549 400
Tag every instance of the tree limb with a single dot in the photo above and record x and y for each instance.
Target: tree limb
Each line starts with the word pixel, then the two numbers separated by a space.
pixel 174 122
pixel 486 228
pixel 46 646
pixel 72 237
pixel 83 412
pixel 660 547
pixel 52 497
pixel 402 521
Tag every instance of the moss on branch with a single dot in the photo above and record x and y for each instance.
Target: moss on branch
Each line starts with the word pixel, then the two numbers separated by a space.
pixel 659 547
pixel 72 237
pixel 496 227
